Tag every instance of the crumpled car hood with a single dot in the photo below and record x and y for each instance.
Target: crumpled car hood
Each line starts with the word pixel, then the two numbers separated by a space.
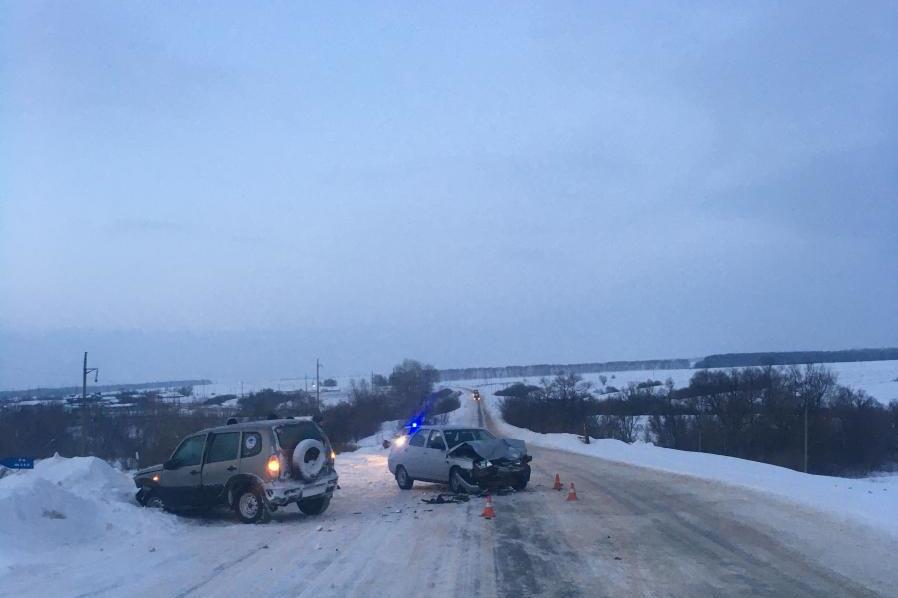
pixel 496 450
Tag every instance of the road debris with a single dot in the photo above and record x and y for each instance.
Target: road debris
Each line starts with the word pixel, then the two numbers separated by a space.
pixel 444 499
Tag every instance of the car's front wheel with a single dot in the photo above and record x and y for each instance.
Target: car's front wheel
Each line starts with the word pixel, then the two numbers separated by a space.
pixel 153 501
pixel 456 482
pixel 250 506
pixel 521 481
pixel 402 478
pixel 314 506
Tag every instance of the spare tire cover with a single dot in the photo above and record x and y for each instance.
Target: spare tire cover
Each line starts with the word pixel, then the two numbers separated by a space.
pixel 308 458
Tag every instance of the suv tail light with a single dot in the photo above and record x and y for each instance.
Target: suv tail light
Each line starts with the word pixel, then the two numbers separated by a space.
pixel 274 466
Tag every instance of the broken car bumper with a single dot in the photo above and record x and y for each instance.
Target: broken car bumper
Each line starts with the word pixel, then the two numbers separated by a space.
pixel 279 493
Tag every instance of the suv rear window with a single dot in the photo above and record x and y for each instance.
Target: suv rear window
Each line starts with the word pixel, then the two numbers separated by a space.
pixel 292 434
pixel 252 444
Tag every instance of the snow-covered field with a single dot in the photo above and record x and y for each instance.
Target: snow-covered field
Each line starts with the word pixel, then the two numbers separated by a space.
pixel 878 378
pixel 872 500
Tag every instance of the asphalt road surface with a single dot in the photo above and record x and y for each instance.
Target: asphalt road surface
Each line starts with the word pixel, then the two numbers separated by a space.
pixel 637 532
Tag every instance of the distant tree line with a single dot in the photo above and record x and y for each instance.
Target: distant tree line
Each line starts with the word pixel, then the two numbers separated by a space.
pixel 533 371
pixel 144 430
pixel 136 436
pixel 407 392
pixel 751 413
pixel 730 360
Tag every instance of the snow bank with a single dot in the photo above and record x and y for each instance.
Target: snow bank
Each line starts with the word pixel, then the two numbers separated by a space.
pixel 66 502
pixel 872 500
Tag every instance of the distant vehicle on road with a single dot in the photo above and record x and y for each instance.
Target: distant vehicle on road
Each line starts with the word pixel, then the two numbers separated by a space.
pixel 252 467
pixel 468 459
pixel 476 395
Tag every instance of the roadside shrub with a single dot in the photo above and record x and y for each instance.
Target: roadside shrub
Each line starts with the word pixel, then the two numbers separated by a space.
pixel 518 389
pixel 562 404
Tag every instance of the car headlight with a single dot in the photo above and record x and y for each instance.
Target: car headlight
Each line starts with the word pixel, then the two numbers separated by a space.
pixel 482 464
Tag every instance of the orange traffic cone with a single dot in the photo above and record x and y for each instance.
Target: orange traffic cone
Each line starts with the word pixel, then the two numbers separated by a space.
pixel 572 493
pixel 488 512
pixel 558 485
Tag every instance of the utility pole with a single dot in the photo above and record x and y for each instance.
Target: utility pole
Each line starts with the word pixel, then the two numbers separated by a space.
pixel 84 417
pixel 317 385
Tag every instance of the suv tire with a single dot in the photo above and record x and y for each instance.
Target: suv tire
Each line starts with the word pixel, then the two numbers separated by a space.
pixel 152 501
pixel 315 505
pixel 402 478
pixel 249 505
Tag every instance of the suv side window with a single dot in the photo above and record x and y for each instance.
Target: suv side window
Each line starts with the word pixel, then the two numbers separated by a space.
pixel 436 441
pixel 252 444
pixel 418 438
pixel 190 452
pixel 223 447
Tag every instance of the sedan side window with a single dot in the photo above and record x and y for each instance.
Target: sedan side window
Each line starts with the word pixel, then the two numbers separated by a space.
pixel 418 438
pixel 436 441
pixel 190 452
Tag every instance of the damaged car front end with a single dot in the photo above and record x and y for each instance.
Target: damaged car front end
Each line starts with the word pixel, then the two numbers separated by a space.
pixel 483 464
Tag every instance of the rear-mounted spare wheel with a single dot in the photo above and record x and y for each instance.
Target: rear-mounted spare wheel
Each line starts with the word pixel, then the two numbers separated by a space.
pixel 308 459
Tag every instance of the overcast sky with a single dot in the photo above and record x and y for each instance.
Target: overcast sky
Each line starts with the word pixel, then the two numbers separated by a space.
pixel 231 191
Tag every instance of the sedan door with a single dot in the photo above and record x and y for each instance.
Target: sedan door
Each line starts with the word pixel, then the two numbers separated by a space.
pixel 414 455
pixel 436 462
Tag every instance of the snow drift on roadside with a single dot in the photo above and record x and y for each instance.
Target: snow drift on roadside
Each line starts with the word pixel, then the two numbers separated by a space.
pixel 66 502
pixel 872 500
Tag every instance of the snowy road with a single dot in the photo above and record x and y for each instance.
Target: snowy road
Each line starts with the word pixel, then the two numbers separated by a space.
pixel 639 532
pixel 634 532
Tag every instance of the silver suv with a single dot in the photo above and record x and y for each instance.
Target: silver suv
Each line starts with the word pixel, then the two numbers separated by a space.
pixel 468 459
pixel 252 467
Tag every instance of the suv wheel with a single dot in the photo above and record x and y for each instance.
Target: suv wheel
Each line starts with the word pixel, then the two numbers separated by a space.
pixel 250 506
pixel 402 478
pixel 314 506
pixel 152 501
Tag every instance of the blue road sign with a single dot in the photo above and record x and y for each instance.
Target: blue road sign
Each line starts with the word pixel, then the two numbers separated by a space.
pixel 18 462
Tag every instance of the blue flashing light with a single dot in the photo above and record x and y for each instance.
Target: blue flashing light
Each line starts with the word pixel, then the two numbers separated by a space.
pixel 414 424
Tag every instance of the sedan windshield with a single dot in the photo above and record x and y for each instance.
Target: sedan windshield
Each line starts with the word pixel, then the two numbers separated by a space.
pixel 454 437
